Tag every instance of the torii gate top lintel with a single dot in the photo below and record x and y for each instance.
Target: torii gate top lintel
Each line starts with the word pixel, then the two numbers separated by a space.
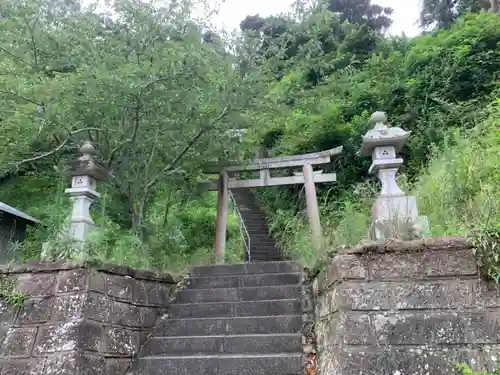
pixel 278 162
pixel 265 165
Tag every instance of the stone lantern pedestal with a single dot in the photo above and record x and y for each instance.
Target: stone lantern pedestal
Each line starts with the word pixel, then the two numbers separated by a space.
pixel 394 213
pixel 86 172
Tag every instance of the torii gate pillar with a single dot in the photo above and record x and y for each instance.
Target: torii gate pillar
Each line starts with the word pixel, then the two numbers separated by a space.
pixel 312 206
pixel 221 221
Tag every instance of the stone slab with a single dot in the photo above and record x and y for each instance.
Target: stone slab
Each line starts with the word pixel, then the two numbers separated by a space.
pixel 430 360
pixel 418 265
pixel 216 365
pixel 437 328
pixel 227 309
pixel 231 325
pixel 445 294
pixel 245 269
pixel 239 294
pixel 237 344
pixel 243 281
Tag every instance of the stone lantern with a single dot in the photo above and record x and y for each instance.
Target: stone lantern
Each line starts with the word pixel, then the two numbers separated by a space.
pixel 85 174
pixel 394 213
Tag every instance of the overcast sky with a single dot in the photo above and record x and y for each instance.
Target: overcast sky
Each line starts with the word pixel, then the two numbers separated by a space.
pixel 233 11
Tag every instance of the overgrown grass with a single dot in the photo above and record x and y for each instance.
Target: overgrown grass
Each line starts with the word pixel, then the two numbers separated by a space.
pixel 345 227
pixel 459 191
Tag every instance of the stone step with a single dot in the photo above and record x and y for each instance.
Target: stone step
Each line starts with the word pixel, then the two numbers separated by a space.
pixel 246 201
pixel 253 209
pixel 249 210
pixel 243 280
pixel 228 344
pixel 245 198
pixel 260 235
pixel 245 269
pixel 258 293
pixel 262 259
pixel 257 226
pixel 227 309
pixel 269 254
pixel 262 240
pixel 264 246
pixel 256 249
pixel 253 215
pixel 257 222
pixel 264 250
pixel 231 325
pixel 262 230
pixel 274 256
pixel 253 225
pixel 259 231
pixel 240 364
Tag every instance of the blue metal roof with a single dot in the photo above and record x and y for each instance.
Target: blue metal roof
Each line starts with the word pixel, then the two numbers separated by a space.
pixel 11 210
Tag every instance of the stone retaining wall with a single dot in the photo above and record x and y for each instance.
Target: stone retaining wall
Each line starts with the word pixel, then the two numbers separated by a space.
pixel 79 319
pixel 399 308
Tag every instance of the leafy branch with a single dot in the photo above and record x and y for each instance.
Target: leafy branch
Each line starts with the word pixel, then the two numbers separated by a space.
pixel 188 147
pixel 58 148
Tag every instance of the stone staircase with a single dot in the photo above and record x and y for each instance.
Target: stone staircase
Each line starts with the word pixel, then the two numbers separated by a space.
pixel 262 246
pixel 242 319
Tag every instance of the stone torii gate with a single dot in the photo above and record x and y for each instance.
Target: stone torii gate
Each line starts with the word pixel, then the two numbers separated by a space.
pixel 308 177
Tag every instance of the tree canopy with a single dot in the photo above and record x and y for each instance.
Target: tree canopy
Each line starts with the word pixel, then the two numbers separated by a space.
pixel 145 86
pixel 442 13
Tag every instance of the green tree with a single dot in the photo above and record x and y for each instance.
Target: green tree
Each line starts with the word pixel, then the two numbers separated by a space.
pixel 362 12
pixel 143 86
pixel 442 13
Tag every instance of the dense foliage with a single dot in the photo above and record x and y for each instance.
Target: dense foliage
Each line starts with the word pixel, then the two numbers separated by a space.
pixel 433 85
pixel 156 90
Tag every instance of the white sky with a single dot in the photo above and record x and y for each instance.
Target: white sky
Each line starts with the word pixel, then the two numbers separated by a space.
pixel 232 12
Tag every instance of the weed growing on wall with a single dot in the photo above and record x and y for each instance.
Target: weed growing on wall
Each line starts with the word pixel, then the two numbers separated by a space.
pixel 9 295
pixel 466 370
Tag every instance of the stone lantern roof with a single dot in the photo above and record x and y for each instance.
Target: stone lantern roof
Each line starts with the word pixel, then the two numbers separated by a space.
pixel 382 135
pixel 85 165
